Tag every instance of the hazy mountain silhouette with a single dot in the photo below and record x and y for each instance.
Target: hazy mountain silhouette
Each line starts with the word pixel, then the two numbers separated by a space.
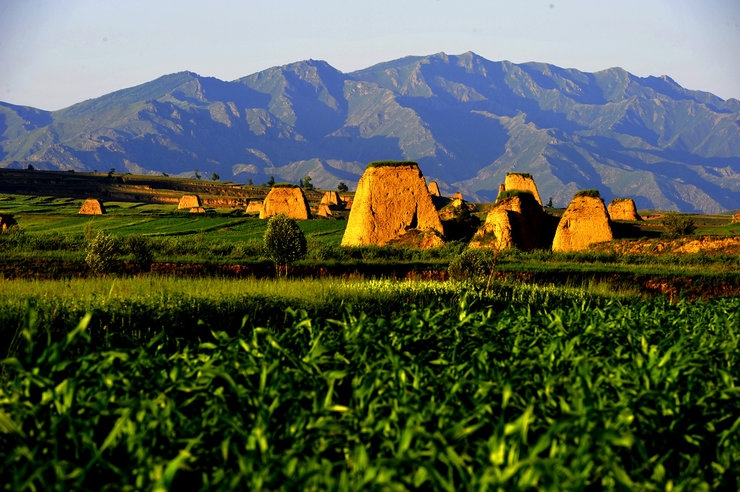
pixel 466 120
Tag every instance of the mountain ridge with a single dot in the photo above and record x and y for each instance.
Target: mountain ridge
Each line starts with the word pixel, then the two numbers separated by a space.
pixel 466 120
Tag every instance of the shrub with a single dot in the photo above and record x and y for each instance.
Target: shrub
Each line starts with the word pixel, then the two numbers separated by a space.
pixel 676 224
pixel 14 236
pixel 141 249
pixel 473 265
pixel 102 254
pixel 284 242
pixel 391 164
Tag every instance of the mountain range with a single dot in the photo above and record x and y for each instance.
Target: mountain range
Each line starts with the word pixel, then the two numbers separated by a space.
pixel 466 120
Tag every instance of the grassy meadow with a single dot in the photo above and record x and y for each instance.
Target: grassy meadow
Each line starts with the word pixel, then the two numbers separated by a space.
pixel 147 381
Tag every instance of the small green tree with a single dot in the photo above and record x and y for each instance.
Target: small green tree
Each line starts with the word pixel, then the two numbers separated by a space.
pixel 284 242
pixel 215 177
pixel 307 184
pixel 677 225
pixel 102 253
pixel 141 250
pixel 271 181
pixel 342 187
pixel 474 265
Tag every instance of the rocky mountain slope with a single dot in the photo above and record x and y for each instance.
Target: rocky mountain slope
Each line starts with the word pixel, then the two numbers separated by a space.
pixel 466 120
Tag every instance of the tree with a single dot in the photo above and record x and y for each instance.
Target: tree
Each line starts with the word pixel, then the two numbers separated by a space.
pixel 677 225
pixel 307 183
pixel 102 253
pixel 284 242
pixel 342 187
pixel 197 174
pixel 215 177
pixel 474 265
pixel 141 250
pixel 271 181
pixel 111 171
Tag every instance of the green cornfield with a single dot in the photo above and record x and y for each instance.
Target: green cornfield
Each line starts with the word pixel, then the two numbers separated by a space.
pixel 450 389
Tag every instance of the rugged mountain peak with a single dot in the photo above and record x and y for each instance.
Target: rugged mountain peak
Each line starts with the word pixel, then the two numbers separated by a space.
pixel 465 120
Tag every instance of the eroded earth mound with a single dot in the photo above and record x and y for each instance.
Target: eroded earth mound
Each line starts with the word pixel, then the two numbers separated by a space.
pixel 189 201
pixel 391 199
pixel 92 207
pixel 623 209
pixel 584 222
pixel 288 200
pixel 515 221
pixel 521 182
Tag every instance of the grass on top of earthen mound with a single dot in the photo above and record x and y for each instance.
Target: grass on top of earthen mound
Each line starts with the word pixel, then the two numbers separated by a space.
pixel 285 185
pixel 523 175
pixel 589 193
pixel 391 164
pixel 512 193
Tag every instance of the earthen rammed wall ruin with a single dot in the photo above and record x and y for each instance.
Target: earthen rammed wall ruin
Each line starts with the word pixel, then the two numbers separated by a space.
pixel 288 200
pixel 623 209
pixel 522 182
pixel 584 222
pixel 389 201
pixel 92 207
pixel 188 202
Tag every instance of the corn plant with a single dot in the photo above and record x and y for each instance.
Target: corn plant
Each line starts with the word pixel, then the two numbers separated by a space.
pixel 569 396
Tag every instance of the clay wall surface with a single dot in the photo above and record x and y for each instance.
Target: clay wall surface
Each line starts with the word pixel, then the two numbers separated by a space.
pixel 389 201
pixel 623 209
pixel 522 182
pixel 92 207
pixel 188 202
pixel 515 222
pixel 290 201
pixel 584 222
pixel 254 207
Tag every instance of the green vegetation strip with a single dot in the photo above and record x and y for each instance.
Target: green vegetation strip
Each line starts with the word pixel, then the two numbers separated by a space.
pixel 572 394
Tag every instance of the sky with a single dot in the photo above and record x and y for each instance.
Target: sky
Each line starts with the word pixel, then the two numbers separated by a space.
pixel 54 53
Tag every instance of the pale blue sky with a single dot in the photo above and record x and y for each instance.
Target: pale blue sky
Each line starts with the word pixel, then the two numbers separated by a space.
pixel 54 53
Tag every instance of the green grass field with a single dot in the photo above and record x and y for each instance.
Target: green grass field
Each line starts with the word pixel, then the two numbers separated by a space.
pixel 51 215
pixel 382 385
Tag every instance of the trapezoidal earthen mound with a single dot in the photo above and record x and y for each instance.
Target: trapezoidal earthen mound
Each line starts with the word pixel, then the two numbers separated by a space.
pixel 583 223
pixel 331 198
pixel 188 202
pixel 92 207
pixel 254 207
pixel 521 182
pixel 391 199
pixel 515 221
pixel 330 202
pixel 288 200
pixel 623 209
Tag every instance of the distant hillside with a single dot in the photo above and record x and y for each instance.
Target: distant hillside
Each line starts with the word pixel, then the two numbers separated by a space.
pixel 466 120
